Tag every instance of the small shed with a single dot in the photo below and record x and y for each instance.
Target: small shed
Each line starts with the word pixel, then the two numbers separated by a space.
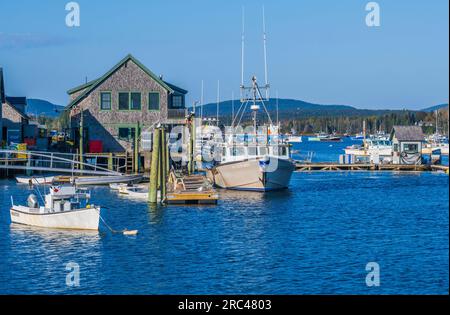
pixel 407 144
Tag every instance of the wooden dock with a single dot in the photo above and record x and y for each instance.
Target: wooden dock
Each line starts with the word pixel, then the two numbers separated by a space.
pixel 190 189
pixel 308 167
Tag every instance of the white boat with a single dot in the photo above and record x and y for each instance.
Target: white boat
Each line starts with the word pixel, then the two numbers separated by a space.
pixel 63 208
pixel 358 137
pixel 106 180
pixel 116 186
pixel 434 142
pixel 261 162
pixel 245 171
pixel 375 149
pixel 136 192
pixel 34 180
pixel 294 139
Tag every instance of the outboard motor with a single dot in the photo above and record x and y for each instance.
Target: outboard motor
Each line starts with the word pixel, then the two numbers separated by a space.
pixel 32 201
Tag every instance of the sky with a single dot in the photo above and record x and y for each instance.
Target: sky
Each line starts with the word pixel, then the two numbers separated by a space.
pixel 320 51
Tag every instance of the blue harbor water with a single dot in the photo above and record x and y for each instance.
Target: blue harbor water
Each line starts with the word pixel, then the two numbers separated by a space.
pixel 314 238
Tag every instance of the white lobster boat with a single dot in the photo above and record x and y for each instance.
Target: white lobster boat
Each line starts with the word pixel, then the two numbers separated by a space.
pixel 259 168
pixel 64 208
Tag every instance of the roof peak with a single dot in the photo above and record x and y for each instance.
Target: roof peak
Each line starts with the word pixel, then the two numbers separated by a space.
pixel 89 87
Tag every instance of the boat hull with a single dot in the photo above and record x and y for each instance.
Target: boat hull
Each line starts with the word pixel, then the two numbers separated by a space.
pixel 106 180
pixel 34 180
pixel 253 175
pixel 82 219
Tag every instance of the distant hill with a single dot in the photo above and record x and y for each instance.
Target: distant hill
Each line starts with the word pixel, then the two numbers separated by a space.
pixel 290 108
pixel 433 108
pixel 43 108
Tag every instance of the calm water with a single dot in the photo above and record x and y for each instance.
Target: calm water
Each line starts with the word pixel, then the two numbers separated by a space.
pixel 315 237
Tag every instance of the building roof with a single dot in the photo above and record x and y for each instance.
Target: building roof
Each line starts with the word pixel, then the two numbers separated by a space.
pixel 17 103
pixel 2 87
pixel 408 133
pixel 176 88
pixel 90 86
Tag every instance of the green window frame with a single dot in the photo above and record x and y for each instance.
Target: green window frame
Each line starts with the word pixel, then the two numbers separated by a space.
pixel 124 101
pixel 177 101
pixel 126 133
pixel 153 101
pixel 135 101
pixel 105 101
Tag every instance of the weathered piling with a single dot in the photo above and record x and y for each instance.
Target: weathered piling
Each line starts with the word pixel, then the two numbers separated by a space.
pixel 163 163
pixel 153 189
pixel 81 139
pixel 191 144
pixel 136 149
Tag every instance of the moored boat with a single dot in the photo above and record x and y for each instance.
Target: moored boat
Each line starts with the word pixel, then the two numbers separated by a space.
pixel 34 180
pixel 64 207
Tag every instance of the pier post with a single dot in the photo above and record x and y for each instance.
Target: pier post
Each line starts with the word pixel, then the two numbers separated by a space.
pixel 191 144
pixel 163 165
pixel 110 161
pixel 81 139
pixel 153 189
pixel 136 149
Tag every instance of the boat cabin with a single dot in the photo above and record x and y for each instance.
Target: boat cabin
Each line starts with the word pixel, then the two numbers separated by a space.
pixel 65 198
pixel 232 153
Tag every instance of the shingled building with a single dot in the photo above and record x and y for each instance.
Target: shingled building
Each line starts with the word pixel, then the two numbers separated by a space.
pixel 120 104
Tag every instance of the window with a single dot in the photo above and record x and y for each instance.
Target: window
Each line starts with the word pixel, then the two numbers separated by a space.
pixel 252 151
pixel 153 101
pixel 126 133
pixel 105 100
pixel 124 101
pixel 238 151
pixel 282 151
pixel 395 147
pixel 262 150
pixel 411 148
pixel 177 101
pixel 135 101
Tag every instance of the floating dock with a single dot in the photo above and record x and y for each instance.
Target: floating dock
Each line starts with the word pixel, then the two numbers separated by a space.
pixel 307 167
pixel 191 189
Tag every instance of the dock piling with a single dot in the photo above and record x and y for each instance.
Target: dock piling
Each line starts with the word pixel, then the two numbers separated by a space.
pixel 153 189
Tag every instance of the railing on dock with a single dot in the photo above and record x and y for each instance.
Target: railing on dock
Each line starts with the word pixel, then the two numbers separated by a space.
pixel 58 162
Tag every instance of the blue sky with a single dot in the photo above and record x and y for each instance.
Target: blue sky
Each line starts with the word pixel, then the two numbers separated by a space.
pixel 318 50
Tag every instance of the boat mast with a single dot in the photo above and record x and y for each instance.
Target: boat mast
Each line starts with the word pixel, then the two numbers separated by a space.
pixel 265 54
pixel 437 129
pixel 201 104
pixel 256 95
pixel 218 101
pixel 242 51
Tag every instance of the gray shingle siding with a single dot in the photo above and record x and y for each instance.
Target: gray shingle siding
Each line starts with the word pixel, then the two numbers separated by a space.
pixel 104 124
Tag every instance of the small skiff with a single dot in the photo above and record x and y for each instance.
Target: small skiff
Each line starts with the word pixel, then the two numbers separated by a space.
pixel 34 180
pixel 64 207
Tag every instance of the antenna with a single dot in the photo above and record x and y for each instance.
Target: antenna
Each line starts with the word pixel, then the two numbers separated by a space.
pixel 278 121
pixel 265 53
pixel 232 105
pixel 242 48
